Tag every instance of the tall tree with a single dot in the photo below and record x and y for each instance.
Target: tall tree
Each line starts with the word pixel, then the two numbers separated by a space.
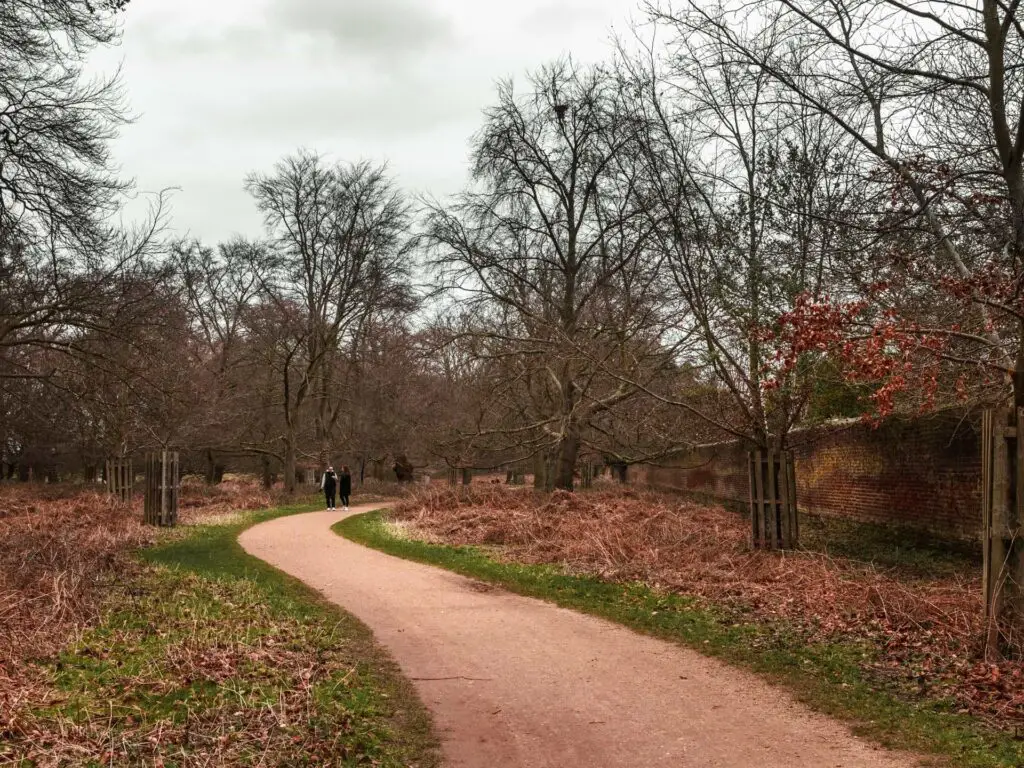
pixel 747 196
pixel 932 94
pixel 547 256
pixel 340 257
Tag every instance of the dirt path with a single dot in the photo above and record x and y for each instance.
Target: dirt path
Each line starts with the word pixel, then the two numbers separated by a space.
pixel 514 681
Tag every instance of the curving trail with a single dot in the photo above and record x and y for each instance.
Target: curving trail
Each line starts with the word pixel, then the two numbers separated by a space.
pixel 513 681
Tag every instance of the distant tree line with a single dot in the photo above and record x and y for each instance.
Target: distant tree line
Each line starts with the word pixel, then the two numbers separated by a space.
pixel 748 219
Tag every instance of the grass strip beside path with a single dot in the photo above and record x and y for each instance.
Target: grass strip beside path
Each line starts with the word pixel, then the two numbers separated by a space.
pixel 827 677
pixel 209 656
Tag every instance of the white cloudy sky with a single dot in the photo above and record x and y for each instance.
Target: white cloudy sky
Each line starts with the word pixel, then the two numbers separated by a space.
pixel 223 88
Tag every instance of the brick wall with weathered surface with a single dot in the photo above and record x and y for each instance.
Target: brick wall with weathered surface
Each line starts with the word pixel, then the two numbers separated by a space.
pixel 922 473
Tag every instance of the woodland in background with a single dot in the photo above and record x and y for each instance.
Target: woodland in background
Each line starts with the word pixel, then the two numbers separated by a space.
pixel 745 221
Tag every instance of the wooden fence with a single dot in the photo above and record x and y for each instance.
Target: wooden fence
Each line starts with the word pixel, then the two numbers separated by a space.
pixel 587 474
pixel 120 479
pixel 163 485
pixel 773 513
pixel 1002 515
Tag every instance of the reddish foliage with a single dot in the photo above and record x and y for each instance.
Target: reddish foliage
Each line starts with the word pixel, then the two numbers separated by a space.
pixel 926 630
pixel 891 353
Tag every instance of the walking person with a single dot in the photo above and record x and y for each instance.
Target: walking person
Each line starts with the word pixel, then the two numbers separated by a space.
pixel 344 486
pixel 329 485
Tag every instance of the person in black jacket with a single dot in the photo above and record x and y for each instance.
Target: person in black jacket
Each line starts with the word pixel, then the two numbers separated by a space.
pixel 344 486
pixel 329 484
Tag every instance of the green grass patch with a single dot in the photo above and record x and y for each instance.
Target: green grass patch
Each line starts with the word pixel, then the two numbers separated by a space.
pixel 208 656
pixel 828 677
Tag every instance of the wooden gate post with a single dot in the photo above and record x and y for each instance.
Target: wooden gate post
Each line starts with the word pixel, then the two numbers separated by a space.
pixel 774 520
pixel 162 488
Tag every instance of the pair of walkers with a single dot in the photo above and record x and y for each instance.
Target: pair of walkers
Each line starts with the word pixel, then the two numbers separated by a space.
pixel 334 483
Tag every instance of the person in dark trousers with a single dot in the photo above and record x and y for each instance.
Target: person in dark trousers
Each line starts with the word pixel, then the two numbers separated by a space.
pixel 344 486
pixel 329 485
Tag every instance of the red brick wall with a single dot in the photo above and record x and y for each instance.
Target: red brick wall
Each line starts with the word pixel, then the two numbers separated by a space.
pixel 923 473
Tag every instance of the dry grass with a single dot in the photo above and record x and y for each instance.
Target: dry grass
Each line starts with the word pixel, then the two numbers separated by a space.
pixel 62 547
pixel 925 629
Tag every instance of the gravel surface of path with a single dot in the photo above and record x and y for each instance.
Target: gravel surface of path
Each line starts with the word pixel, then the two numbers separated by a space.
pixel 514 681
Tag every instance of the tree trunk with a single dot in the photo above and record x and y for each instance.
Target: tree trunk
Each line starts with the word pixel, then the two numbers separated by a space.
pixel 323 456
pixel 211 467
pixel 565 462
pixel 289 464
pixel 268 479
pixel 540 472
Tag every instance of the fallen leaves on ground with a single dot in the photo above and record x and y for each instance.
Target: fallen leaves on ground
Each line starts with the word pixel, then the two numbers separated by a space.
pixel 63 549
pixel 201 672
pixel 926 629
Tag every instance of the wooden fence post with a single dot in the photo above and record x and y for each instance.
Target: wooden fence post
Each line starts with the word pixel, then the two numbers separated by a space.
pixel 774 519
pixel 162 488
pixel 467 476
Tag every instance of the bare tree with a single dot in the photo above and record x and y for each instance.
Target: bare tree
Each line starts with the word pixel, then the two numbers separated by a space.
pixel 340 257
pixel 936 112
pixel 547 257
pixel 748 194
pixel 56 181
pixel 219 287
pixel 931 93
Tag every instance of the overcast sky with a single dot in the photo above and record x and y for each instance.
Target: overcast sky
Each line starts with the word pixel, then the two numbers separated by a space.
pixel 224 88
